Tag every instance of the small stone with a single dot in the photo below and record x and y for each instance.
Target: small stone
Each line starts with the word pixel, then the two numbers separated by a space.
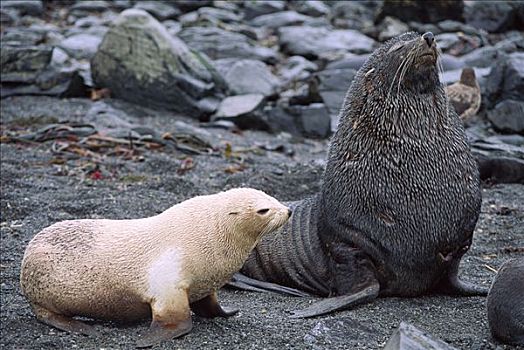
pixel 81 46
pixel 297 68
pixel 89 6
pixel 251 77
pixel 508 116
pixel 391 27
pixel 244 111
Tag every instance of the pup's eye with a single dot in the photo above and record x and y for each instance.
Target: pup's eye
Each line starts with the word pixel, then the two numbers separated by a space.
pixel 233 213
pixel 263 211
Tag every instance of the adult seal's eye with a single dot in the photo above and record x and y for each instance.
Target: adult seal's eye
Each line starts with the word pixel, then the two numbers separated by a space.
pixel 263 211
pixel 396 47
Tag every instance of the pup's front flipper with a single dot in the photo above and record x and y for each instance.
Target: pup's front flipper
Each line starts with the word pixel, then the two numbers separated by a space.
pixel 62 322
pixel 328 305
pixel 171 318
pixel 209 307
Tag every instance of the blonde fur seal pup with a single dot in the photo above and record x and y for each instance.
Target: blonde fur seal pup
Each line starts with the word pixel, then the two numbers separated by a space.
pixel 162 266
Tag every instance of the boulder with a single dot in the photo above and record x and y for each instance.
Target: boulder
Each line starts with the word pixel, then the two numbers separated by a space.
pixel 314 8
pixel 407 10
pixel 391 27
pixel 494 16
pixel 24 7
pixel 160 10
pixel 315 42
pixel 506 80
pixel 508 116
pixel 352 14
pixel 218 43
pixel 161 71
pixel 23 63
pixel 313 120
pixel 254 9
pixel 280 19
pixel 251 77
pixel 409 337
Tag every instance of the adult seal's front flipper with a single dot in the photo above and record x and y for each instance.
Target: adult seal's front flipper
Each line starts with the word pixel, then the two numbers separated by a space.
pixel 328 305
pixel 243 282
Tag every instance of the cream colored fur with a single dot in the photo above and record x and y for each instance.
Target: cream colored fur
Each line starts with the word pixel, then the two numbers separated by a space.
pixel 115 269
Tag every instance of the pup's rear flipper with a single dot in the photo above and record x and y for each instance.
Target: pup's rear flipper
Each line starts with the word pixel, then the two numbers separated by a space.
pixel 62 322
pixel 209 307
pixel 328 305
pixel 243 282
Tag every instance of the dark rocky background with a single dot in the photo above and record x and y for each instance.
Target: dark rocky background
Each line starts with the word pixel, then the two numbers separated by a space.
pixel 116 115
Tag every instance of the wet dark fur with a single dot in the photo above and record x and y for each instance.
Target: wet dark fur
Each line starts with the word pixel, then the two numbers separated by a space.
pixel 506 303
pixel 401 193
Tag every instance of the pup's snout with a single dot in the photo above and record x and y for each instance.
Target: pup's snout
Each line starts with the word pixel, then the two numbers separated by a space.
pixel 429 38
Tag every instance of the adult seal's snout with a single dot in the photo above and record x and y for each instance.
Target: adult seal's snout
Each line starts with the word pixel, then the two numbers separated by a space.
pixel 429 38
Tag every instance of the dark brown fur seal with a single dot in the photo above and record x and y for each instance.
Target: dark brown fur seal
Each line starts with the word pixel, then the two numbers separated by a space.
pixel 162 266
pixel 506 303
pixel 400 196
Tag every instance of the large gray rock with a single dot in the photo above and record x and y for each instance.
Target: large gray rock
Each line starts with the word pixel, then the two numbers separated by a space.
pixel 313 8
pixel 506 80
pixel 160 10
pixel 140 62
pixel 422 11
pixel 313 120
pixel 409 337
pixel 251 77
pixel 254 9
pixel 218 43
pixel 23 63
pixel 508 116
pixel 280 19
pixel 332 86
pixel 27 70
pixel 494 16
pixel 313 42
pixel 352 14
pixel 24 7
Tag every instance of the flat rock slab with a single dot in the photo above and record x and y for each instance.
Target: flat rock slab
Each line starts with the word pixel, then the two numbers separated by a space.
pixel 409 337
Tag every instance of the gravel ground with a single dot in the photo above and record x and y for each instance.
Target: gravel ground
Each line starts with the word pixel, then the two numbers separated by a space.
pixel 36 193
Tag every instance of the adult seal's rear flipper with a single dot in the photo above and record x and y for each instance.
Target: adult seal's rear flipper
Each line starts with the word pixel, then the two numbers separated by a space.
pixel 450 284
pixel 342 302
pixel 243 282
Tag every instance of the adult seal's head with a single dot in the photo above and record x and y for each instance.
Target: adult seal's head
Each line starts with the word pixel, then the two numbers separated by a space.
pixel 506 303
